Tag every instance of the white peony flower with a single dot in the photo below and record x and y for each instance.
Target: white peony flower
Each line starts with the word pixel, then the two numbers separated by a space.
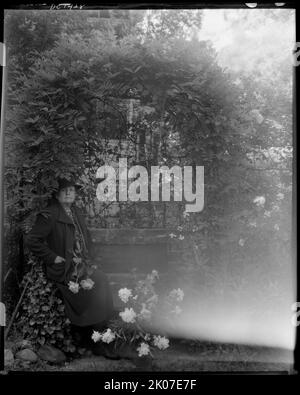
pixel 161 342
pixel 128 315
pixel 73 287
pixel 267 214
pixel 242 242
pixel 178 294
pixel 181 237
pixel 125 294
pixel 87 283
pixel 96 336
pixel 108 336
pixel 143 349
pixel 259 201
pixel 276 227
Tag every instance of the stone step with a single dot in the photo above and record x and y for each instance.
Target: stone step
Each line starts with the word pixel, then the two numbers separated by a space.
pixel 121 258
pixel 127 236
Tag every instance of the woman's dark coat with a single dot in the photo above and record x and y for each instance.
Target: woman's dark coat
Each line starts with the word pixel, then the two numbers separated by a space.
pixel 53 235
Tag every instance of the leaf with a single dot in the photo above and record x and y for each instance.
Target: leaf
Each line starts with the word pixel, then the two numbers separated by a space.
pixel 81 118
pixel 137 69
pixel 128 69
pixel 40 140
pixel 32 120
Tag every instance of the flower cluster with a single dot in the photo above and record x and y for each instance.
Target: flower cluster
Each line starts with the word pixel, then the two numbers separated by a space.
pixel 73 287
pixel 142 303
pixel 83 267
pixel 128 315
pixel 177 294
pixel 242 242
pixel 143 349
pixel 259 201
pixel 161 342
pixel 86 284
pixel 107 337
pixel 125 294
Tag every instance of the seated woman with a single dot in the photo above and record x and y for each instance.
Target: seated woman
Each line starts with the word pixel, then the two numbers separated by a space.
pixel 61 239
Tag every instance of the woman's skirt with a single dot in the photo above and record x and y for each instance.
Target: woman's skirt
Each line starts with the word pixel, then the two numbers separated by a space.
pixel 89 307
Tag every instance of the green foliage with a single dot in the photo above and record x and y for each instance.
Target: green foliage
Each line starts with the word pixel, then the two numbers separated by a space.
pixel 164 24
pixel 74 98
pixel 42 314
pixel 29 32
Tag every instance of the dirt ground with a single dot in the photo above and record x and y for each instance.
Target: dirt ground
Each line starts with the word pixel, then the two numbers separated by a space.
pixel 180 356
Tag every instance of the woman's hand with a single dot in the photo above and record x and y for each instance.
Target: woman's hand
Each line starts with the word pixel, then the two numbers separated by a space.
pixel 59 259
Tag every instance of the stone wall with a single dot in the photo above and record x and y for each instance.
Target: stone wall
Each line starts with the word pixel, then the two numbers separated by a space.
pixel 122 251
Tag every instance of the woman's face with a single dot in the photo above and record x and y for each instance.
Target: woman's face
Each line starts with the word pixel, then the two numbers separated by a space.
pixel 66 195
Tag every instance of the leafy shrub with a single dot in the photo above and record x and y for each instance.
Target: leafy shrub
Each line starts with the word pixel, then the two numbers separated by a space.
pixel 42 314
pixel 194 111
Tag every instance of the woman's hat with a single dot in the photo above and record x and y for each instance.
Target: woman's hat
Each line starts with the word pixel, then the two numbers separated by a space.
pixel 64 183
